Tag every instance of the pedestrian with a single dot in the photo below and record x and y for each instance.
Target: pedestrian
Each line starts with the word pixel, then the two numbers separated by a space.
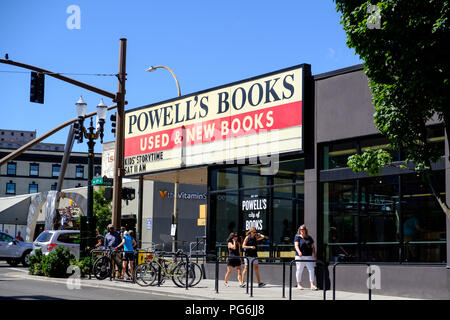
pixel 128 243
pixel 100 240
pixel 234 250
pixel 304 250
pixel 112 240
pixel 251 252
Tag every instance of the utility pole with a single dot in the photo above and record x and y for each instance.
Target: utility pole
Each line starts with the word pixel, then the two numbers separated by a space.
pixel 119 171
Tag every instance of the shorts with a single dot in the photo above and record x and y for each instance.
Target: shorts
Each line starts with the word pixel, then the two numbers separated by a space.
pixel 250 259
pixel 234 262
pixel 128 256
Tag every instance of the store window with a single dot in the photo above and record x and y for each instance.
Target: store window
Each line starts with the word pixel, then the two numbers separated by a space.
pixel 377 144
pixel 340 208
pixel 33 188
pixel 34 169
pixel 424 222
pixel 226 219
pixel 251 176
pixel 379 219
pixel 10 188
pixel 241 197
pixel 336 155
pixel 56 168
pixel 389 218
pixel 79 172
pixel 224 178
pixel 12 169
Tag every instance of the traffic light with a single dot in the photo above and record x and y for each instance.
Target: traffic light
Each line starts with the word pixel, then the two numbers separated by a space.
pixel 78 132
pixel 113 124
pixel 37 87
pixel 108 193
pixel 128 194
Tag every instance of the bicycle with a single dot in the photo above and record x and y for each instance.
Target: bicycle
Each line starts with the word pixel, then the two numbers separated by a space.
pixel 158 267
pixel 103 265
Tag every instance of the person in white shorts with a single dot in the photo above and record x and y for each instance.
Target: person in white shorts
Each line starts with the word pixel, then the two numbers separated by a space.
pixel 304 250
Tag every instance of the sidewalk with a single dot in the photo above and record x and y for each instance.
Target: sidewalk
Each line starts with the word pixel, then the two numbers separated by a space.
pixel 205 290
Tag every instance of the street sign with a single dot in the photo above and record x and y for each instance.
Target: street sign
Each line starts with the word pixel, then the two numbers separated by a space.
pixel 102 181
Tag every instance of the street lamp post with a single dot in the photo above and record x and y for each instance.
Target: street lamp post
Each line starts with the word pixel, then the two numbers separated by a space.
pixel 91 134
pixel 175 185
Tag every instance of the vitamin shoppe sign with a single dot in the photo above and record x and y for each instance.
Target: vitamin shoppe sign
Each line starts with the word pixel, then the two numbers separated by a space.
pixel 250 119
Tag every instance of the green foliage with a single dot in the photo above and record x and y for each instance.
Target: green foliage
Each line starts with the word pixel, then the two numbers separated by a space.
pixel 84 264
pixel 102 210
pixel 55 264
pixel 408 68
pixel 370 161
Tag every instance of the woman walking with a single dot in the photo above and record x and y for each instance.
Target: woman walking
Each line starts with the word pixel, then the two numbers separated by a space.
pixel 251 252
pixel 304 250
pixel 234 251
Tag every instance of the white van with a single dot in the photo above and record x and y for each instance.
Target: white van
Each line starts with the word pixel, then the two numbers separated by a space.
pixel 48 240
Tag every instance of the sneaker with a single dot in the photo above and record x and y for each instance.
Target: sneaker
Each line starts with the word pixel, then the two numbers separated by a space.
pixel 260 285
pixel 300 287
pixel 242 285
pixel 226 284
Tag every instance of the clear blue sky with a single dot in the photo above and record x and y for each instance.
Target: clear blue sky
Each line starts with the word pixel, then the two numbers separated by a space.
pixel 206 43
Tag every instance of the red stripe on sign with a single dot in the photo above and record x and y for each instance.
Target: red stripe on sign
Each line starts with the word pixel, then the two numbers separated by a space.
pixel 264 120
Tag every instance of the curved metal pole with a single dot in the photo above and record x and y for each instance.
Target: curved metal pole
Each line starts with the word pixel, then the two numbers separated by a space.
pixel 173 74
pixel 30 144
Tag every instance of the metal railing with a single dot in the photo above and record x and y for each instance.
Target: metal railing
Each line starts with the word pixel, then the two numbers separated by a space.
pixel 324 276
pixel 349 263
pixel 217 262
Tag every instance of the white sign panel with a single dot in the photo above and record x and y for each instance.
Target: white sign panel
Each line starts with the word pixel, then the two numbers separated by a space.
pixel 250 119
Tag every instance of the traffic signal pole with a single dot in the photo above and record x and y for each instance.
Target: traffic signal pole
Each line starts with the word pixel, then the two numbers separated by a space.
pixel 119 171
pixel 118 98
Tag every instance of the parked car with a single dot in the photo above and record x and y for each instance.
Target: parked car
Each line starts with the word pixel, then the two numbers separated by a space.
pixel 13 250
pixel 48 240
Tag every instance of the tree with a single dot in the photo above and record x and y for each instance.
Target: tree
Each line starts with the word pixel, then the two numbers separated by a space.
pixel 403 44
pixel 102 210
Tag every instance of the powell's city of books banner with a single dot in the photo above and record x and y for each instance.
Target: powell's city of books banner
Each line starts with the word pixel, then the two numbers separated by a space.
pixel 251 120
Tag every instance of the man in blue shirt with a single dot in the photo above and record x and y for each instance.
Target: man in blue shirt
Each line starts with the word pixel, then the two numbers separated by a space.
pixel 128 244
pixel 112 238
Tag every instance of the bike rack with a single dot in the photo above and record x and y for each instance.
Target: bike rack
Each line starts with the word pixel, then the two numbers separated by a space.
pixel 349 263
pixel 324 277
pixel 171 254
pixel 267 258
pixel 217 270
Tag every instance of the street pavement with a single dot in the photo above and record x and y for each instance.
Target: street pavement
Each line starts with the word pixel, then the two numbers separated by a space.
pixel 205 290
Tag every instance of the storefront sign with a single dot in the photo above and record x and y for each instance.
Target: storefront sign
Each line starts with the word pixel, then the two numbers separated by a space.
pixel 251 119
pixel 254 211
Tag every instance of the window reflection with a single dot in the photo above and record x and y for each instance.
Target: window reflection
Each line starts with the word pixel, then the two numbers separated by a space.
pixel 336 155
pixel 374 222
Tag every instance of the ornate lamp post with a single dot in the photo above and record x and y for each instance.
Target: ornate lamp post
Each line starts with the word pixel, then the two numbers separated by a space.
pixel 91 134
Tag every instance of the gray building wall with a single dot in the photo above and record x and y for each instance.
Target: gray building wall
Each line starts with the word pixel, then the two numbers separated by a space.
pixel 158 206
pixel 343 110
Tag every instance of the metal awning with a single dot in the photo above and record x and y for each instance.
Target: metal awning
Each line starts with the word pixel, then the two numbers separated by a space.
pixel 184 176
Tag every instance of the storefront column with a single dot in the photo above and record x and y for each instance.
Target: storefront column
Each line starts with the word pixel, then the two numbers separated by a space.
pixel 447 196
pixel 311 204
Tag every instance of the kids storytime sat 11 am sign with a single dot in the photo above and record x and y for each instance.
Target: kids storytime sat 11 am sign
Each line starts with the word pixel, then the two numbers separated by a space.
pixel 250 119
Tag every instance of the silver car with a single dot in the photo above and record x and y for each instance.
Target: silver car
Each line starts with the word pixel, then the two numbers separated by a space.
pixel 48 240
pixel 14 251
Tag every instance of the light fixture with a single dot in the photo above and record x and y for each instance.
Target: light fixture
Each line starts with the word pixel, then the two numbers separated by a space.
pixel 102 110
pixel 152 68
pixel 81 107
